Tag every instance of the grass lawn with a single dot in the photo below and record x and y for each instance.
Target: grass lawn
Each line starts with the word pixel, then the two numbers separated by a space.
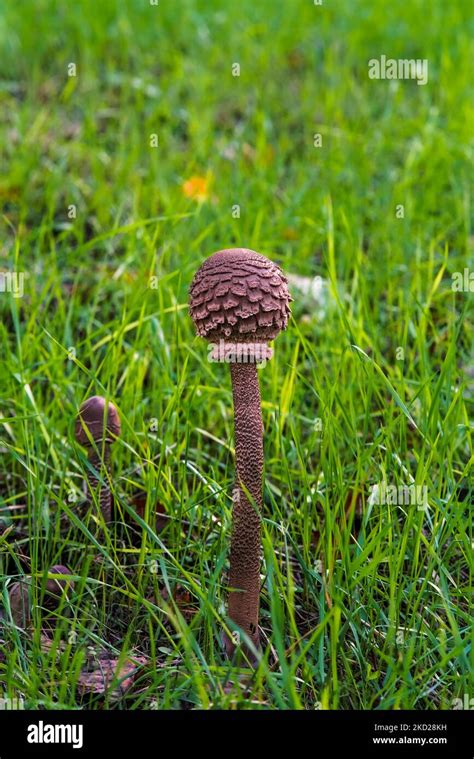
pixel 136 140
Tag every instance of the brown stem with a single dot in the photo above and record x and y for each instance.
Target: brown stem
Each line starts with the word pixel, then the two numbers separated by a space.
pixel 245 549
pixel 101 464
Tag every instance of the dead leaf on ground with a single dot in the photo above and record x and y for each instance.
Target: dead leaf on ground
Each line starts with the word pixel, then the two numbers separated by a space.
pixel 105 671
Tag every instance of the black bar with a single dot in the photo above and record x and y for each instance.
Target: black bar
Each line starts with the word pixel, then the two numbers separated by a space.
pixel 306 733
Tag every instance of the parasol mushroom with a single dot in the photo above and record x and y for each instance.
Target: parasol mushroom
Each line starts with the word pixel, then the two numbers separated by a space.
pixel 239 301
pixel 97 427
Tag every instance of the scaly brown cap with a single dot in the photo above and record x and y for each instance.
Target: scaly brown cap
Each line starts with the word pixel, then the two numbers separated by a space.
pixel 100 423
pixel 239 296
pixel 56 587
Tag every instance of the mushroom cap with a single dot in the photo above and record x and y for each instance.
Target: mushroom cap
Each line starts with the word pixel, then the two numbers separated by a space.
pixel 57 587
pixel 93 415
pixel 239 296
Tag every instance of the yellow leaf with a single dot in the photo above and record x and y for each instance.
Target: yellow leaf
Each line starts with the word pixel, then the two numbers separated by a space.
pixel 197 188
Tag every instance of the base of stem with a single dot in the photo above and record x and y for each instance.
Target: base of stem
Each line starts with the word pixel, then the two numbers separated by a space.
pixel 241 652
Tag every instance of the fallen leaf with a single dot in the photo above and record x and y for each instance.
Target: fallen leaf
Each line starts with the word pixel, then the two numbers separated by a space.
pixel 107 671
pixel 197 188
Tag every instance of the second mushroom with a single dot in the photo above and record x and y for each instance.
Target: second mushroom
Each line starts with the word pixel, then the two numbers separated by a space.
pixel 97 427
pixel 239 301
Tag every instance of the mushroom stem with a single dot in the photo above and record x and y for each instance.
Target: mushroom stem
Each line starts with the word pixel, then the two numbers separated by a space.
pixel 101 464
pixel 245 548
pixel 97 426
pixel 239 301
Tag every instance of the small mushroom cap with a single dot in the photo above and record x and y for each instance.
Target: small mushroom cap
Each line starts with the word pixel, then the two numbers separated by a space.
pixel 239 296
pixel 93 415
pixel 57 587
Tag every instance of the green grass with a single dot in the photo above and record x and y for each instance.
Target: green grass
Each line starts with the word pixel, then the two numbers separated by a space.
pixel 370 611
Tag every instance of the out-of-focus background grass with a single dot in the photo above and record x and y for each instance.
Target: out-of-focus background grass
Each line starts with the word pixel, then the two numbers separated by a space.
pixel 364 605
